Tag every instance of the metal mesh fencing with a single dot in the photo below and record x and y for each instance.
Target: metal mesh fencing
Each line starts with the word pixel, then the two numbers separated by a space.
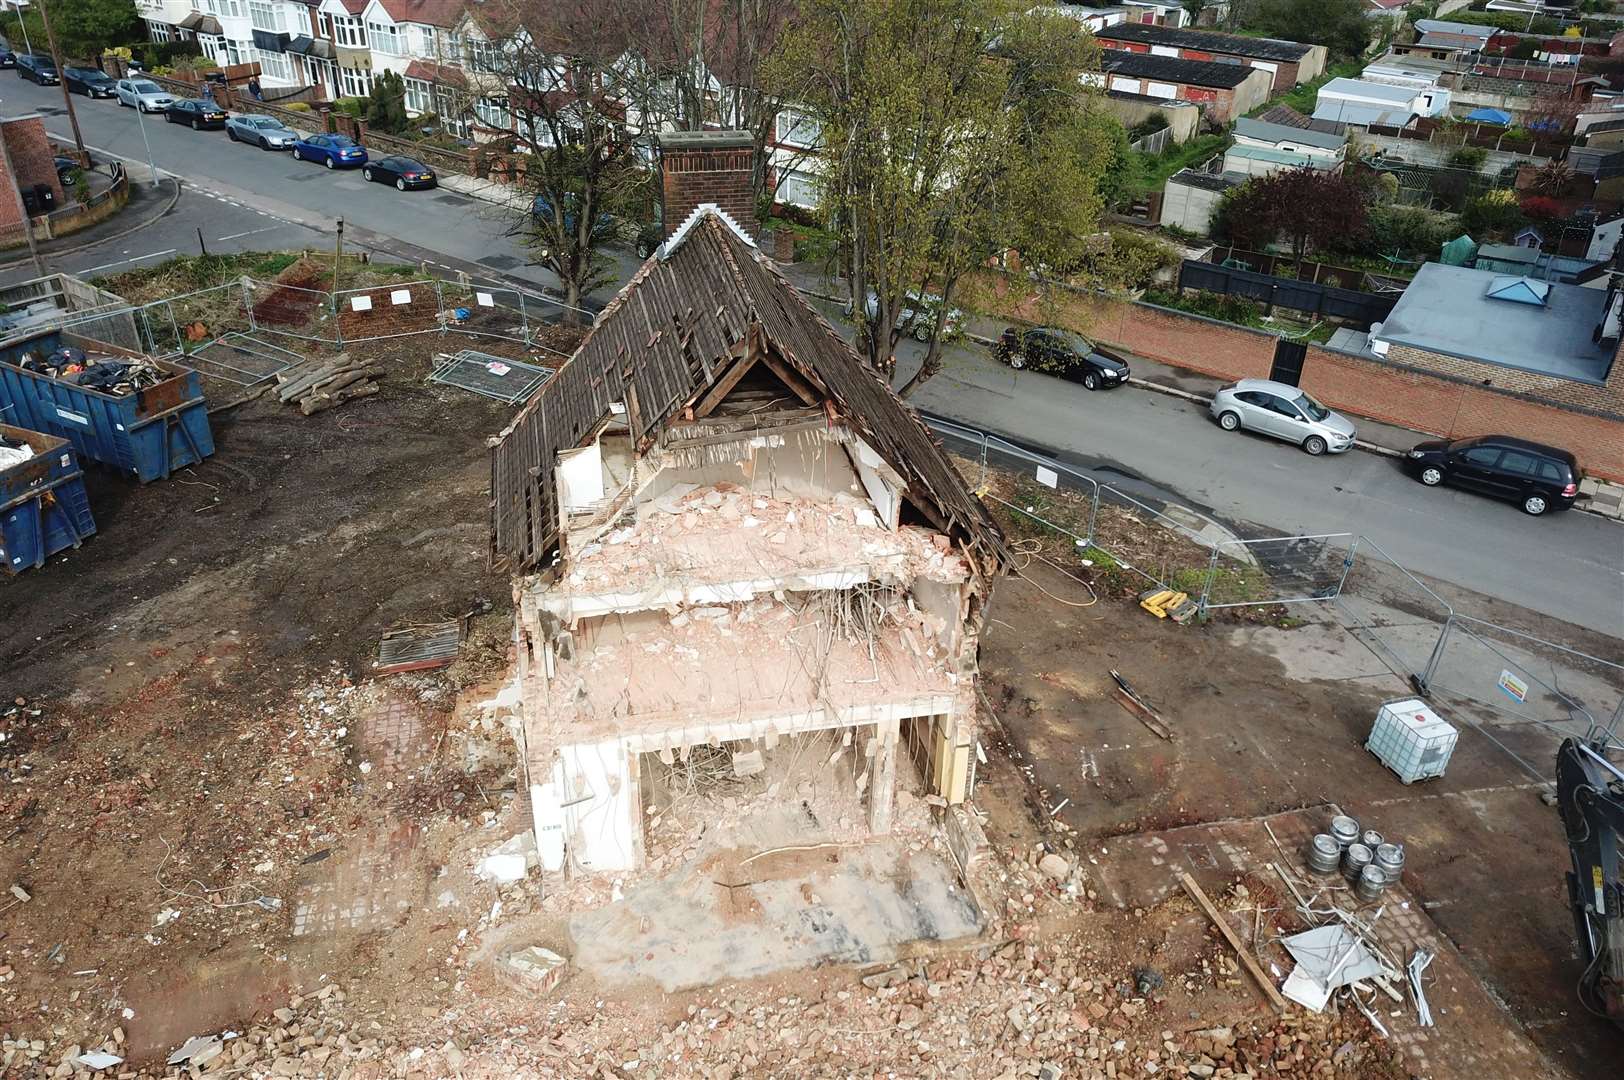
pixel 113 326
pixel 1392 611
pixel 1525 679
pixel 297 308
pixel 1278 570
pixel 387 311
pixel 182 324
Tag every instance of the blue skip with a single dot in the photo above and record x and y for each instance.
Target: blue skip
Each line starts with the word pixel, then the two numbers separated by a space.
pixel 43 505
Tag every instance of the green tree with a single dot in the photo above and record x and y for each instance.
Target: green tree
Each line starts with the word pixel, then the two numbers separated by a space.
pixel 386 104
pixel 83 27
pixel 1341 25
pixel 1310 209
pixel 580 163
pixel 952 131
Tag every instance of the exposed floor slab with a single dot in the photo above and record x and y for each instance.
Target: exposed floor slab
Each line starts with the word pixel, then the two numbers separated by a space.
pixel 723 918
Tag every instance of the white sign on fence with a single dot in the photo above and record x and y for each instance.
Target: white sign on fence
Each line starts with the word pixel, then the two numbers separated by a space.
pixel 360 303
pixel 485 299
pixel 1048 477
pixel 400 296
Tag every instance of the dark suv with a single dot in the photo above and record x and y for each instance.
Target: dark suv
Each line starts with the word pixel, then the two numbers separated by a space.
pixel 37 69
pixel 1537 478
pixel 1065 353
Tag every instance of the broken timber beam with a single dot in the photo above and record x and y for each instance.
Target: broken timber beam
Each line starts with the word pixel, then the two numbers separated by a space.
pixel 1145 713
pixel 1246 958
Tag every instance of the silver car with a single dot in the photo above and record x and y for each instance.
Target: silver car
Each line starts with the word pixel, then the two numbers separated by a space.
pixel 264 132
pixel 1273 408
pixel 143 94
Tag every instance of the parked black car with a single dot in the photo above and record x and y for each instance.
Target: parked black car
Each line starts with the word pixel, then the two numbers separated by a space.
pixel 1065 353
pixel 68 171
pixel 37 69
pixel 403 172
pixel 199 114
pixel 88 81
pixel 8 59
pixel 1536 477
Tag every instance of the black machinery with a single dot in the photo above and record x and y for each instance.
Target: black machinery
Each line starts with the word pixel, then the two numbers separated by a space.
pixel 1590 796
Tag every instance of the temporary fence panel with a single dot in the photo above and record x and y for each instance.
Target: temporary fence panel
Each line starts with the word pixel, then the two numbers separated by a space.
pixel 388 311
pixel 1392 611
pixel 241 359
pixel 498 377
pixel 190 321
pixel 1523 678
pixel 1278 570
pixel 296 308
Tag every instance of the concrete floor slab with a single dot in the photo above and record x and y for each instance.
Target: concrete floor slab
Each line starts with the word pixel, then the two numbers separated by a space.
pixel 721 918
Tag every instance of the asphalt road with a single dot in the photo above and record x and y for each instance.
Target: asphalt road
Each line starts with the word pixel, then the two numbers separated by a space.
pixel 437 225
pixel 1567 565
pixel 1570 566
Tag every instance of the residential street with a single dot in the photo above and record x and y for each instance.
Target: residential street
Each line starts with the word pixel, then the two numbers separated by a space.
pixel 1570 566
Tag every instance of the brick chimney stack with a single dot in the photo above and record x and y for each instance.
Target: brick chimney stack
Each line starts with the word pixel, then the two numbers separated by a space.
pixel 708 167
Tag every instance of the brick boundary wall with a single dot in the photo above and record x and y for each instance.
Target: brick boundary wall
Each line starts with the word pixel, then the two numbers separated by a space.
pixel 1425 401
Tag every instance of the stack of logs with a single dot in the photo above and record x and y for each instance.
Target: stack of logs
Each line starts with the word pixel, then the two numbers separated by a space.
pixel 322 386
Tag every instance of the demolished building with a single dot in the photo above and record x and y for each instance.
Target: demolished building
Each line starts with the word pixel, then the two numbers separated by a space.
pixel 730 535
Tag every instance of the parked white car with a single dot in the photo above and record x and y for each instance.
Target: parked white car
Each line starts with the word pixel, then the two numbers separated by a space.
pixel 918 315
pixel 143 94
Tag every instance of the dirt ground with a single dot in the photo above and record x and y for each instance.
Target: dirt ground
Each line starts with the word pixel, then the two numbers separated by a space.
pixel 1270 720
pixel 224 820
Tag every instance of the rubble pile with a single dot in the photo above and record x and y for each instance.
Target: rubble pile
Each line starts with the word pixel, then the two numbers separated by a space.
pixel 705 534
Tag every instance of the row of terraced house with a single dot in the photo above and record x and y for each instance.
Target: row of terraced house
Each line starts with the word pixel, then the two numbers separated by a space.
pixel 329 49
pixel 337 48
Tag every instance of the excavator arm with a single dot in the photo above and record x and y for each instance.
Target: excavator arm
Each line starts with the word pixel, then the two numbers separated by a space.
pixel 1590 796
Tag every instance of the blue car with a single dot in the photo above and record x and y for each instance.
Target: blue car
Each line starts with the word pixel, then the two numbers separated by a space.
pixel 541 207
pixel 332 151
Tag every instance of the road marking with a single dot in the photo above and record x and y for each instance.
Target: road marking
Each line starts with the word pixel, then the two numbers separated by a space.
pixel 250 232
pixel 121 262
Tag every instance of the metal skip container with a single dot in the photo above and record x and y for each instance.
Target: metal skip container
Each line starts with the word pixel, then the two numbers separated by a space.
pixel 43 505
pixel 148 434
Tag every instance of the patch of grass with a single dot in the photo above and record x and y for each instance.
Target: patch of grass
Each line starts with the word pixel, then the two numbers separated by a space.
pixel 1154 169
pixel 273 263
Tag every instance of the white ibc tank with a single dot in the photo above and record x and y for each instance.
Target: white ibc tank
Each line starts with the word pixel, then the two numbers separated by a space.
pixel 1412 740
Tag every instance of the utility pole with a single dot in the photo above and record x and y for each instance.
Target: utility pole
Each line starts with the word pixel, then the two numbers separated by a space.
pixel 338 256
pixel 23 26
pixel 22 210
pixel 62 79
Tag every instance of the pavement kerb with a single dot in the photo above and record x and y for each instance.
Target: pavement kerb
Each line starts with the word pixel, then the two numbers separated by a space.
pixel 70 249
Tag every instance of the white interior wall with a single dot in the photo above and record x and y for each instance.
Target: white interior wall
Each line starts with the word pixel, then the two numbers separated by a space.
pixel 580 477
pixel 804 467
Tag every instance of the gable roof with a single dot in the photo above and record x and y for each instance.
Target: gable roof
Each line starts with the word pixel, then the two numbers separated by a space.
pixel 1175 70
pixel 667 336
pixel 443 13
pixel 1205 41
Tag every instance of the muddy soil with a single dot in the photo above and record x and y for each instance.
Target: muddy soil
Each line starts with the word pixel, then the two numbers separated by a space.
pixel 1268 719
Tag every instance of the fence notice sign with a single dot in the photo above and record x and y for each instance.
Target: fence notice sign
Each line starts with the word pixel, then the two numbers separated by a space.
pixel 1513 687
pixel 1048 477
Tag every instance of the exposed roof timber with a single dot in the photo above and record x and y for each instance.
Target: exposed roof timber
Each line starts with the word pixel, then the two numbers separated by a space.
pixel 664 341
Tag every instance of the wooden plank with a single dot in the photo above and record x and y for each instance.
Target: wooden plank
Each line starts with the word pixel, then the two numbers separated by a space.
pixel 790 378
pixel 726 383
pixel 1144 714
pixel 1247 961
